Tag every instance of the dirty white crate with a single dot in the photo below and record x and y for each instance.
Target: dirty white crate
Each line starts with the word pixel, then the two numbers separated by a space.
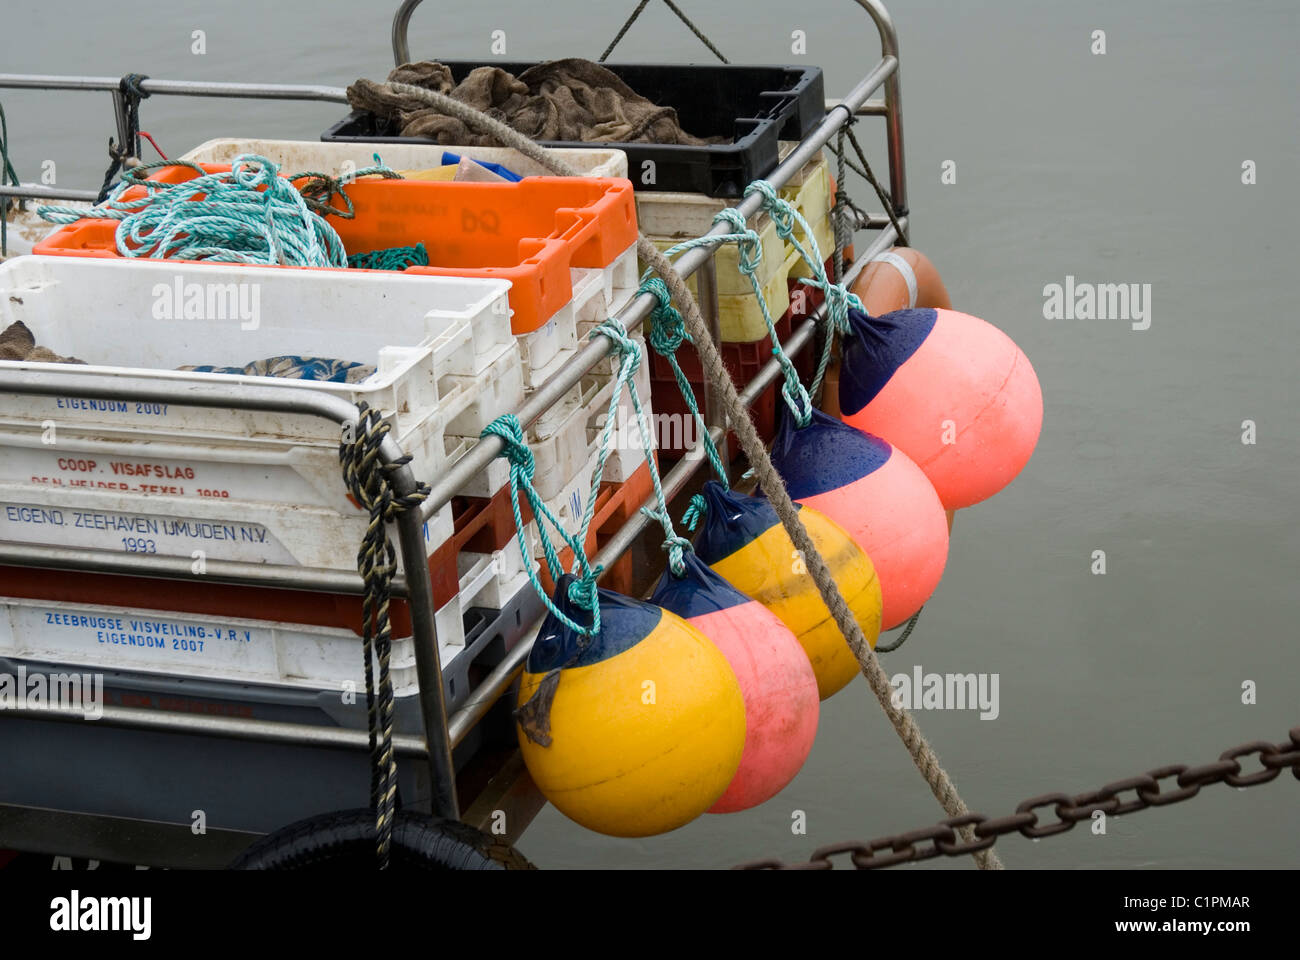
pixel 431 339
pixel 203 646
pixel 597 295
pixel 140 470
pixel 338 159
pixel 214 528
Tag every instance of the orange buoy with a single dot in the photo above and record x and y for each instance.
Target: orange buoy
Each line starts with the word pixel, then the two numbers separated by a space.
pixel 878 495
pixel 898 279
pixel 776 680
pixel 948 389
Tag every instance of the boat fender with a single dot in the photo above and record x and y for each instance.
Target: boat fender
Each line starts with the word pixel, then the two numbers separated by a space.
pixel 878 495
pixel 742 540
pixel 950 390
pixel 776 679
pixel 635 730
pixel 345 839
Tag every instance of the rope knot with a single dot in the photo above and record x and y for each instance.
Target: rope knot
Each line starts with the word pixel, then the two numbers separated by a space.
pixel 667 328
pixel 782 214
pixel 628 348
pixel 749 246
pixel 516 451
pixel 582 592
pixel 839 300
pixel 130 85
pixel 695 511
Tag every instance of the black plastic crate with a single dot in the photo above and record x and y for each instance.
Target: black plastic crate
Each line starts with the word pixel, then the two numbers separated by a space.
pixel 756 106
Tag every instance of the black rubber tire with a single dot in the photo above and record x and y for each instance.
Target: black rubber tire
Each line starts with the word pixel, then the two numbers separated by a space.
pixel 345 839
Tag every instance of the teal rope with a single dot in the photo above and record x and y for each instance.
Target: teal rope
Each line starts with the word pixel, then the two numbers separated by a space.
pixel 249 214
pixel 391 258
pixel 838 298
pixel 630 351
pixel 749 251
pixel 522 467
pixel 695 512
pixel 667 331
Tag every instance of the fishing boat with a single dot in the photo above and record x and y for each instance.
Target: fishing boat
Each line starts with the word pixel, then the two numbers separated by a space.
pixel 222 640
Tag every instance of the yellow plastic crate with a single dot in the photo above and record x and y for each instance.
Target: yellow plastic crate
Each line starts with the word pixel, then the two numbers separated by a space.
pixel 731 282
pixel 739 316
pixel 824 234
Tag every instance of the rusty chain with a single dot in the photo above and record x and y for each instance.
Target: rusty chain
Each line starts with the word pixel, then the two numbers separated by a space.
pixel 942 838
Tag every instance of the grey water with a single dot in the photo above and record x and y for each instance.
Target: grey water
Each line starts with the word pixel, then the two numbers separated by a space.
pixel 1117 167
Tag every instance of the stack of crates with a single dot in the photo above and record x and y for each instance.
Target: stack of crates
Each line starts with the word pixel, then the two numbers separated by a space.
pixel 453 347
pixel 669 218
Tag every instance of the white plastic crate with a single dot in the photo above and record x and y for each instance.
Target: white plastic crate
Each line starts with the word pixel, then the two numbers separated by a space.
pixel 174 526
pixel 173 479
pixel 287 496
pixel 626 455
pixel 90 636
pixel 431 339
pixel 337 159
pixel 597 295
pixel 561 450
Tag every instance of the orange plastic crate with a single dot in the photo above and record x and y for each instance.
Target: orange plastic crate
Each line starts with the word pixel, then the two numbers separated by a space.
pixel 531 233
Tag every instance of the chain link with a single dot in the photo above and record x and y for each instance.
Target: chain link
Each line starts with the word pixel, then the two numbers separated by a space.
pixel 1155 788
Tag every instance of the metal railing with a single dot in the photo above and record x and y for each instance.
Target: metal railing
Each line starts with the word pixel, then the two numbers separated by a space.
pixel 151 86
pixel 442 733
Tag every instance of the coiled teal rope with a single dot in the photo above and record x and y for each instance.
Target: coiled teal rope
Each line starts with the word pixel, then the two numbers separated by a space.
pixel 391 258
pixel 249 214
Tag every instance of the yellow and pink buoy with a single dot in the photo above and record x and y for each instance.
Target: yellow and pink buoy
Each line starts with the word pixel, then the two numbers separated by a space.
pixel 776 679
pixel 878 495
pixel 742 539
pixel 636 730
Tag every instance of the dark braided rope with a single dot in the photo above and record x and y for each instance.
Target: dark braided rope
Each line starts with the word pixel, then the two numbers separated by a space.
pixel 367 479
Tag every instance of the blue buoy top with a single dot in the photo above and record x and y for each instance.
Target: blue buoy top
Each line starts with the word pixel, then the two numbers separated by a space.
pixel 731 521
pixel 875 351
pixel 697 592
pixel 624 623
pixel 825 455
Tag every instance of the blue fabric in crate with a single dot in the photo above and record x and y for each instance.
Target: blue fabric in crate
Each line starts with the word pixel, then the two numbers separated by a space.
pixel 296 368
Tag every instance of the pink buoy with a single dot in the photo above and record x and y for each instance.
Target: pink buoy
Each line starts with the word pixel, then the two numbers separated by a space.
pixel 950 390
pixel 776 679
pixel 878 495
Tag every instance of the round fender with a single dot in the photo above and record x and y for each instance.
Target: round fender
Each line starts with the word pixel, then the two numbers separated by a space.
pixel 345 839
